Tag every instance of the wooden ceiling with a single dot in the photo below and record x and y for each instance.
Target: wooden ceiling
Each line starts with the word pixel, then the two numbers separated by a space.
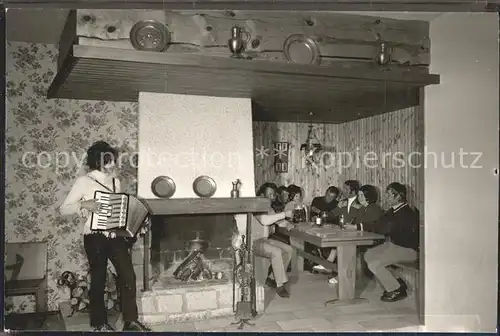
pixel 279 91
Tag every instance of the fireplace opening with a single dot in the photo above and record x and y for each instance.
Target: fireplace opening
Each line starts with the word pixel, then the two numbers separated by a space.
pixel 192 249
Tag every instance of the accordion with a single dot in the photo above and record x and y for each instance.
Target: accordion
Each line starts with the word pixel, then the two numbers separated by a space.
pixel 120 213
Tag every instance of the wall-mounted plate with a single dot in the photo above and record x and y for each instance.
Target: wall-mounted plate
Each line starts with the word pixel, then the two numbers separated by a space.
pixel 150 35
pixel 163 187
pixel 301 49
pixel 204 186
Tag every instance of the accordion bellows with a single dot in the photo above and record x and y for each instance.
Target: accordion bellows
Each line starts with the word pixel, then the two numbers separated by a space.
pixel 120 213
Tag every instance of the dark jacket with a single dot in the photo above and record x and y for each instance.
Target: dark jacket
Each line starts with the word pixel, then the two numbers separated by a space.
pixel 354 211
pixel 401 225
pixel 322 205
pixel 368 216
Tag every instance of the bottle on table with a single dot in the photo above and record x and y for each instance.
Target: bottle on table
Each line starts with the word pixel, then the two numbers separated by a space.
pixel 342 221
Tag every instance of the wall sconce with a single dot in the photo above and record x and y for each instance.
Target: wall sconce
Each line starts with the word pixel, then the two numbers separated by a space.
pixel 311 147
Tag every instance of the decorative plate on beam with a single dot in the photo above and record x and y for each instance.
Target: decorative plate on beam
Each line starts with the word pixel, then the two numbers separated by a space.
pixel 204 186
pixel 163 187
pixel 301 49
pixel 150 35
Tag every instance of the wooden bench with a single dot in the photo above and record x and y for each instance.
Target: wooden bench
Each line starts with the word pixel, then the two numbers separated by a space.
pixel 26 272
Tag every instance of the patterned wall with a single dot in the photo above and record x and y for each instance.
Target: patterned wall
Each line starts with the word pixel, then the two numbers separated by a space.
pixel 62 129
pixel 391 137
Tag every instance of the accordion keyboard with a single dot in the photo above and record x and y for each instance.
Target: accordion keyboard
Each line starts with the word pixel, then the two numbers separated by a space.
pixel 113 211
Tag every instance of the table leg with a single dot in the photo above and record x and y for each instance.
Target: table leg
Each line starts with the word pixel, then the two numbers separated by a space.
pixel 346 260
pixel 297 259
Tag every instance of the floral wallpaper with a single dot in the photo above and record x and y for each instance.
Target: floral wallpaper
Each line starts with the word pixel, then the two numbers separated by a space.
pixel 46 142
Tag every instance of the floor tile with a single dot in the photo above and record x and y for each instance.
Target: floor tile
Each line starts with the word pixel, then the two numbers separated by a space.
pixel 273 317
pixel 338 327
pixel 185 326
pixel 383 324
pixel 306 323
pixel 219 323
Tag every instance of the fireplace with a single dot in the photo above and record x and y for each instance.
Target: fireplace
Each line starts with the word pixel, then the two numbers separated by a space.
pixel 192 249
pixel 185 137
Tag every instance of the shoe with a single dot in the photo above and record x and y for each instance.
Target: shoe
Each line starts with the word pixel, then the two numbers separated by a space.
pixel 282 291
pixel 402 286
pixel 270 283
pixel 104 328
pixel 396 295
pixel 319 268
pixel 135 326
pixel 333 280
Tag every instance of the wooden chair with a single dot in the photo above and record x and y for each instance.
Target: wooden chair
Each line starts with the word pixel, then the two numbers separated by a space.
pixel 26 271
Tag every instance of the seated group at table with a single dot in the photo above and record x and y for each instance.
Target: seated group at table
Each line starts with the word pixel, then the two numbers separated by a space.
pixel 360 211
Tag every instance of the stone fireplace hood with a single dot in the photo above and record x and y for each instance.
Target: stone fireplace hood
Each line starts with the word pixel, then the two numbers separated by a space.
pixel 279 91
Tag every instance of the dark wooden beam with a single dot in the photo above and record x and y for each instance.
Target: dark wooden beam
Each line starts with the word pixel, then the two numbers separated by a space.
pixel 67 39
pixel 395 75
pixel 191 206
pixel 331 5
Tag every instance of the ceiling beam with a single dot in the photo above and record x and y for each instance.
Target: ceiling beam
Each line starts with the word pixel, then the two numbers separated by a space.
pixel 396 75
pixel 331 5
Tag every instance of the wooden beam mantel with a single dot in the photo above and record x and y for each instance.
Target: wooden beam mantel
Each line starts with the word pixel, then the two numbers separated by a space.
pixel 395 75
pixel 197 206
pixel 335 91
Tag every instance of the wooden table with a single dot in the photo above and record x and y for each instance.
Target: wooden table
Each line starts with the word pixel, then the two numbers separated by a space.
pixel 346 242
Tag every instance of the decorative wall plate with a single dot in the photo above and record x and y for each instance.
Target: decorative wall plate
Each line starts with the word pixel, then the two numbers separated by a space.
pixel 150 35
pixel 204 186
pixel 301 49
pixel 163 187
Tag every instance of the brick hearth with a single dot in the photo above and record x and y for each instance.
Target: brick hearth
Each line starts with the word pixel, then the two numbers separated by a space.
pixel 189 302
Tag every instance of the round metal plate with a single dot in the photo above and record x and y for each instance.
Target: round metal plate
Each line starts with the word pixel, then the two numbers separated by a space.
pixel 301 49
pixel 149 35
pixel 204 186
pixel 163 187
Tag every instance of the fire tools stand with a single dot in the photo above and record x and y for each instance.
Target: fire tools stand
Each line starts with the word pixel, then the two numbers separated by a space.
pixel 243 273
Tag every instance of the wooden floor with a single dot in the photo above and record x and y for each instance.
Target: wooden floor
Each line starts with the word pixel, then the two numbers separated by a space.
pixel 305 311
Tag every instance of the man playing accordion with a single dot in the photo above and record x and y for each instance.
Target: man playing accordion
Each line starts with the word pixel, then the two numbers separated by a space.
pixel 102 245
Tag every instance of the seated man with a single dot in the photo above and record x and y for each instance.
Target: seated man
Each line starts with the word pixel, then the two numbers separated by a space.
pixel 279 252
pixel 325 203
pixel 350 208
pixel 401 228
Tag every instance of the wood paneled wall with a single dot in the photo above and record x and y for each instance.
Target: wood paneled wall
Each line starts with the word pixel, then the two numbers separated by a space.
pixel 376 150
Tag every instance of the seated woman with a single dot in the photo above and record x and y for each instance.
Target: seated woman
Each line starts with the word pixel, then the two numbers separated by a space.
pixel 282 199
pixel 365 219
pixel 296 203
pixel 279 252
pixel 370 211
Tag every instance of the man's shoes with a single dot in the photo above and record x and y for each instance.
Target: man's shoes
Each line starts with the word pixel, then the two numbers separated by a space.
pixel 270 283
pixel 396 295
pixel 282 291
pixel 135 326
pixel 402 286
pixel 320 268
pixel 104 328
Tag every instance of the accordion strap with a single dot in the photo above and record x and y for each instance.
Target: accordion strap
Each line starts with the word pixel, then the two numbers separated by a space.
pixel 114 189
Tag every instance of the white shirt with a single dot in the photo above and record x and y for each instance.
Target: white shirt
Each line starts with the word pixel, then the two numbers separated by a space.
pixel 83 190
pixel 350 200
